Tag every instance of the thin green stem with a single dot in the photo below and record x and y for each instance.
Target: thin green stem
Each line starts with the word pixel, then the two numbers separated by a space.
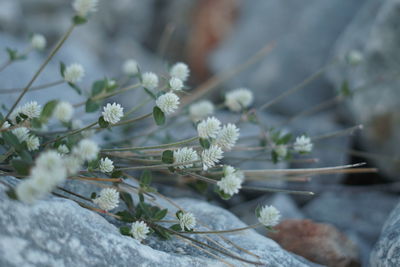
pixel 70 133
pixel 33 88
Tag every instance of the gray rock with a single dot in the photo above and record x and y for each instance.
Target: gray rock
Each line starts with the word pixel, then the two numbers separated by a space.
pixel 304 35
pixel 360 214
pixel 374 32
pixel 58 232
pixel 386 252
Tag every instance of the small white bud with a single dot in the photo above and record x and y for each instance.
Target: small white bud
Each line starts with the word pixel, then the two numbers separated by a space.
pixel 180 70
pixel 113 113
pixel 176 84
pixel 38 41
pixel 168 103
pixel 63 111
pixel 139 230
pixel 106 165
pixel 149 80
pixel 74 73
pixel 130 67
pixel 269 216
pixel 239 99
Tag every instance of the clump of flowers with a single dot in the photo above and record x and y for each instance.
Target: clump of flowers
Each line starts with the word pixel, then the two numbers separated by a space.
pixel 106 165
pixel 268 216
pixel 168 103
pixel 181 71
pixel 139 230
pixel 209 128
pixel 74 73
pixel 239 99
pixel 303 144
pixel 201 110
pixel 130 67
pixel 113 113
pixel 108 199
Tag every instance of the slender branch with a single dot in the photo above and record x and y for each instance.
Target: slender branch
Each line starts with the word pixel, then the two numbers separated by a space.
pixel 41 68
pixel 152 147
pixel 224 231
pixel 161 166
pixel 33 88
pixel 70 133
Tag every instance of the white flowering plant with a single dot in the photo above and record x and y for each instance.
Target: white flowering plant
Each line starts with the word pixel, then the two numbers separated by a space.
pixel 44 159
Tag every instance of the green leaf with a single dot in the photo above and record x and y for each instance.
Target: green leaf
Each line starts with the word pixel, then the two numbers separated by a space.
pixel 258 209
pixel 176 227
pixel 98 87
pixel 160 214
pixel 167 157
pixel 76 88
pixel 125 230
pixel 12 194
pixel 22 167
pixel 158 115
pixel 25 156
pixel 11 140
pixel 284 139
pixel 93 195
pixel 150 93
pixel 78 20
pixel 204 143
pixel 91 106
pixel 127 198
pixel 222 194
pixel 145 178
pixel 126 216
pixel 116 174
pixel 103 123
pixel 47 110
pixel 163 234
pixel 13 54
pixel 62 68
pixel 345 89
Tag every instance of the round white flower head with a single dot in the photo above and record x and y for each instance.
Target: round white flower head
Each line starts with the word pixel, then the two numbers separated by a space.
pixel 355 57
pixel 84 7
pixel 238 99
pixel 209 127
pixel 180 70
pixel 28 192
pixel 106 165
pixel 211 156
pixel 269 216
pixel 63 111
pixel 176 84
pixel 21 133
pixel 168 103
pixel 76 124
pixel 73 164
pixel 230 184
pixel 303 144
pixel 52 164
pixel 32 143
pixel 130 67
pixel 149 80
pixel 63 149
pixel 86 150
pixel 185 154
pixel 31 109
pixel 38 41
pixel 108 199
pixel 228 136
pixel 113 113
pixel 281 151
pixel 74 73
pixel 186 220
pixel 5 125
pixel 139 230
pixel 229 170
pixel 200 110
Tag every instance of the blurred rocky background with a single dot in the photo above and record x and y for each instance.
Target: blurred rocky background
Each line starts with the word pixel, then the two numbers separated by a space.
pixel 351 48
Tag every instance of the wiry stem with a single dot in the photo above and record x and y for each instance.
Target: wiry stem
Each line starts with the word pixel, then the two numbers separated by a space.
pixel 33 88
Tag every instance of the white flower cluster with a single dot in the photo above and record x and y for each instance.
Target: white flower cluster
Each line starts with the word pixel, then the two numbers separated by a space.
pixel 176 84
pixel 74 73
pixel 168 103
pixel 130 67
pixel 106 165
pixel 185 154
pixel 113 113
pixel 108 199
pixel 269 216
pixel 303 144
pixel 149 80
pixel 201 110
pixel 38 41
pixel 49 170
pixel 84 7
pixel 139 230
pixel 232 181
pixel 63 111
pixel 30 110
pixel 22 134
pixel 186 220
pixel 180 70
pixel 52 168
pixel 223 138
pixel 239 99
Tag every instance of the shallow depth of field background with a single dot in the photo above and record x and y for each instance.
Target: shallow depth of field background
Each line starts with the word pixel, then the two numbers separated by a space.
pixel 213 36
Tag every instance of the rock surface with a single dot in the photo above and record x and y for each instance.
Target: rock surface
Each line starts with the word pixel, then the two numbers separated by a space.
pixel 374 33
pixel 321 243
pixel 58 232
pixel 386 252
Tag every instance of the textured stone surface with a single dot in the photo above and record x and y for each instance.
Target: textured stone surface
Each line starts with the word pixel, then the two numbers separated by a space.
pixel 304 35
pixel 321 243
pixel 386 252
pixel 374 32
pixel 57 232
